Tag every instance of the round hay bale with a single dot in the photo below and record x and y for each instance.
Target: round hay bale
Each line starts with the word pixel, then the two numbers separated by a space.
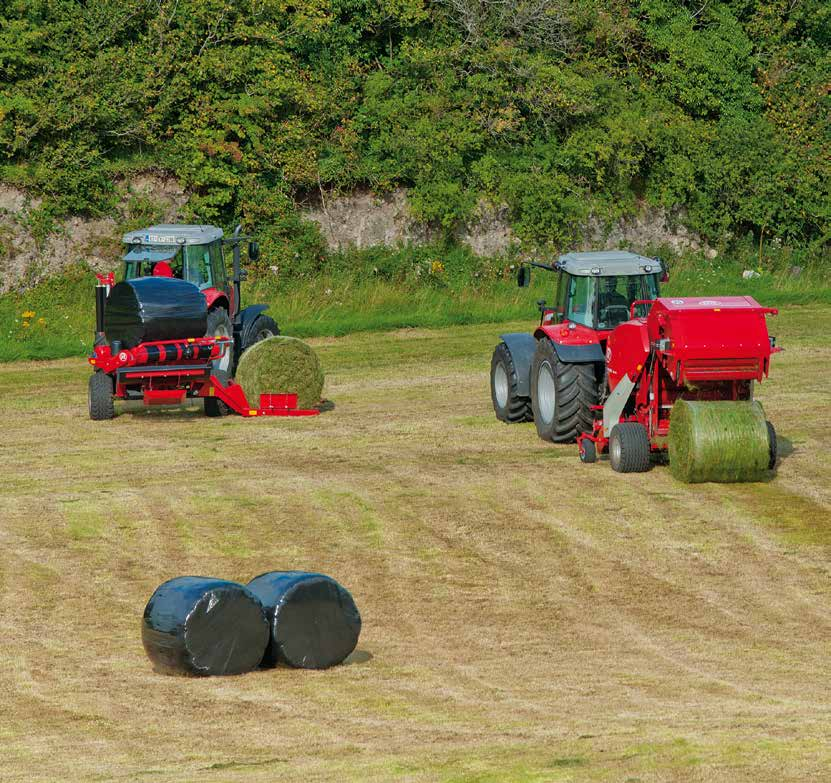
pixel 196 625
pixel 281 365
pixel 718 441
pixel 314 621
pixel 154 308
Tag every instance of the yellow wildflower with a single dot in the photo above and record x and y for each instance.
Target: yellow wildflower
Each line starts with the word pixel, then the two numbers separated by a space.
pixel 436 268
pixel 28 314
pixel 25 324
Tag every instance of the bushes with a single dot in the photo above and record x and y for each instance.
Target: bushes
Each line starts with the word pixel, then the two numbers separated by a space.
pixel 555 108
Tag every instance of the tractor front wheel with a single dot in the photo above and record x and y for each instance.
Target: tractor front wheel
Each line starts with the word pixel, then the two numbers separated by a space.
pixel 508 405
pixel 562 395
pixel 264 326
pixel 629 448
pixel 100 396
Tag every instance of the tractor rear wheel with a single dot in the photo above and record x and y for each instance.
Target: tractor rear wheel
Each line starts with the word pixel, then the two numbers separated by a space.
pixel 629 448
pixel 101 405
pixel 508 406
pixel 219 325
pixel 562 395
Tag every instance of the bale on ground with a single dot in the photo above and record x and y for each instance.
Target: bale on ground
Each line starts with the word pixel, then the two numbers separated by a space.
pixel 281 365
pixel 314 621
pixel 718 441
pixel 196 625
pixel 154 308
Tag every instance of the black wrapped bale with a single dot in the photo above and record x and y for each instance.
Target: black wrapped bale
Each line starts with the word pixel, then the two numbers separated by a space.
pixel 314 621
pixel 154 308
pixel 195 625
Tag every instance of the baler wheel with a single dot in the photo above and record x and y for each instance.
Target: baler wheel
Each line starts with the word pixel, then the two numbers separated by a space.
pixel 588 452
pixel 772 445
pixel 214 407
pixel 508 406
pixel 629 448
pixel 101 405
pixel 562 395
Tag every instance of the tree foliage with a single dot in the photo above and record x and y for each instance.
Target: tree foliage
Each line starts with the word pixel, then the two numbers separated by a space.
pixel 556 107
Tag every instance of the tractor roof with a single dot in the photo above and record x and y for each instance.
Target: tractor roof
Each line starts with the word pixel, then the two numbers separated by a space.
pixel 173 235
pixel 608 263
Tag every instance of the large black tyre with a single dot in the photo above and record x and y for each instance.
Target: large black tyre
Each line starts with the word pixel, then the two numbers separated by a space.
pixel 219 325
pixel 629 448
pixel 101 404
pixel 214 407
pixel 562 395
pixel 772 446
pixel 508 406
pixel 264 326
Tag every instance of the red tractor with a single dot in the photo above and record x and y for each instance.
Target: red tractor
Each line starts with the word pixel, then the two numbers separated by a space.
pixel 609 359
pixel 188 262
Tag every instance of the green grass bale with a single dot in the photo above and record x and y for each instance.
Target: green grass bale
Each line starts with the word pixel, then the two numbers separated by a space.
pixel 281 365
pixel 718 441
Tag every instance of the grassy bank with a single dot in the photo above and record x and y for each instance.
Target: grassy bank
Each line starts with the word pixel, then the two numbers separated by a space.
pixel 55 319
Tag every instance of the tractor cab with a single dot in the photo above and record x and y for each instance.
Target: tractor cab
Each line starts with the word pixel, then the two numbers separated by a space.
pixel 188 252
pixel 601 290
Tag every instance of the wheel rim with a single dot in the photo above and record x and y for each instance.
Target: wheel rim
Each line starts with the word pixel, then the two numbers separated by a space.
pixel 615 451
pixel 546 393
pixel 263 334
pixel 223 364
pixel 500 385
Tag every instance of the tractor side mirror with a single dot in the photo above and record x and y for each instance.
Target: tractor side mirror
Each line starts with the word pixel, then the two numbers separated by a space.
pixel 253 251
pixel 523 277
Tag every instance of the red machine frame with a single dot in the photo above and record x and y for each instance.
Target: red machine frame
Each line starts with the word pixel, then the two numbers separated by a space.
pixel 692 348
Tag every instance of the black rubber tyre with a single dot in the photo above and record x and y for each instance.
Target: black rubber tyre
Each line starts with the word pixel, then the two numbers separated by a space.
pixel 772 446
pixel 219 325
pixel 508 406
pixel 562 395
pixel 629 448
pixel 588 453
pixel 264 326
pixel 101 404
pixel 215 407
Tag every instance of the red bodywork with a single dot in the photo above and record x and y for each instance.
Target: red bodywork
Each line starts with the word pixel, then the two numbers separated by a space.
pixel 166 372
pixel 693 348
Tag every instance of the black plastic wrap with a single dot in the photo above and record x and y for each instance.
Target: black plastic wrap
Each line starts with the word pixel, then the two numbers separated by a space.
pixel 202 626
pixel 154 308
pixel 314 621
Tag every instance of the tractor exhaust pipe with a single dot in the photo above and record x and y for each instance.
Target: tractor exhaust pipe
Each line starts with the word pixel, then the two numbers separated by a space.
pixel 102 291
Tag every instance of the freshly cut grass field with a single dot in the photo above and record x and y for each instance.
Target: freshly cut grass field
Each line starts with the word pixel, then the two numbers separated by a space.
pixel 526 617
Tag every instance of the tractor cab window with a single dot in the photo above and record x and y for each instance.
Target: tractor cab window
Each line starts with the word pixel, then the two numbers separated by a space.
pixel 141 260
pixel 580 300
pixel 616 295
pixel 198 265
pixel 220 277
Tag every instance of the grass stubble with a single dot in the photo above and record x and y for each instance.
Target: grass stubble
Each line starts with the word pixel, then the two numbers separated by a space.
pixel 526 617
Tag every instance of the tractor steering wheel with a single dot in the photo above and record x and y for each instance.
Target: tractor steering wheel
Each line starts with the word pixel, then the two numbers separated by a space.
pixel 606 312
